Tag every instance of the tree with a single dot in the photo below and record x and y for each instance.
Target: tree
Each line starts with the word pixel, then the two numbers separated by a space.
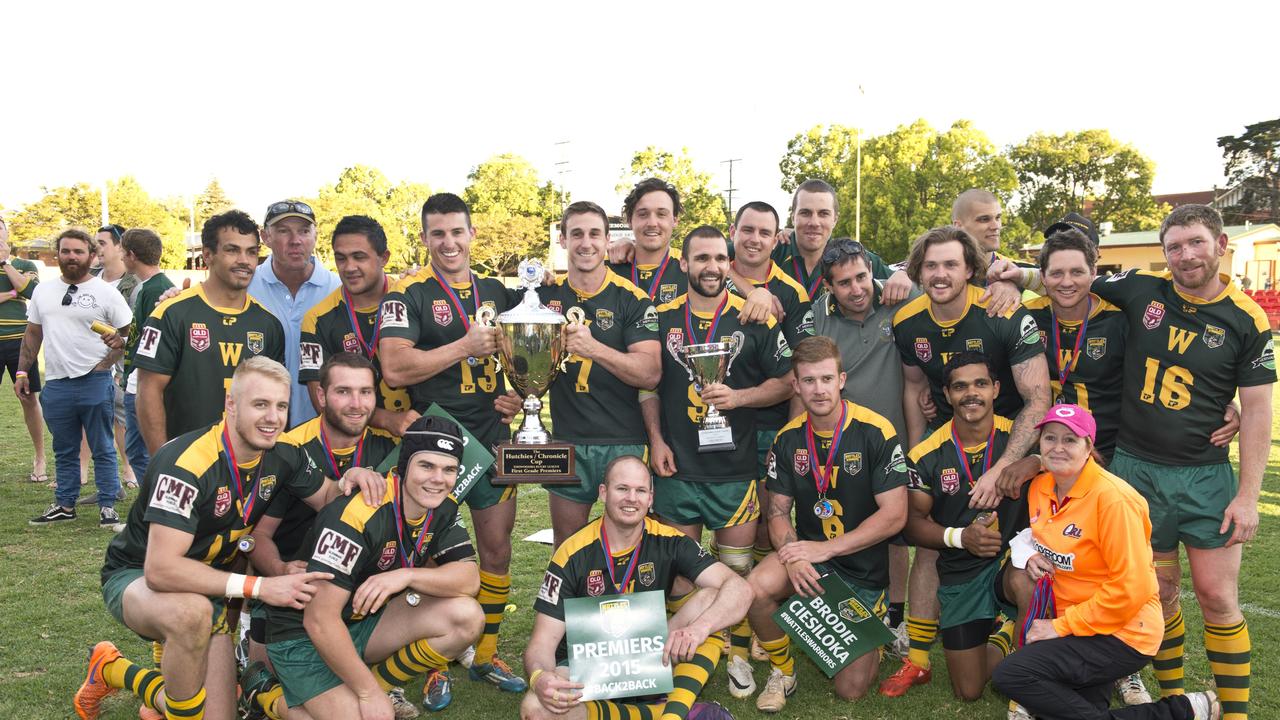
pixel 365 190
pixel 821 153
pixel 512 211
pixel 61 207
pixel 131 207
pixel 1252 159
pixel 1084 170
pixel 702 204
pixel 211 201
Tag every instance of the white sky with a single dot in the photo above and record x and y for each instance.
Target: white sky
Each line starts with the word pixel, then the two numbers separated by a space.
pixel 275 98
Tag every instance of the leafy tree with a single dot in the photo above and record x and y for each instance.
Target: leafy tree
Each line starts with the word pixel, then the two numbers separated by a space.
pixel 820 153
pixel 503 240
pixel 511 209
pixel 60 207
pixel 365 190
pixel 1252 159
pixel 211 201
pixel 702 204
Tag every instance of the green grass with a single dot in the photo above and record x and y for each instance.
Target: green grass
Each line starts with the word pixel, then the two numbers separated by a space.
pixel 51 612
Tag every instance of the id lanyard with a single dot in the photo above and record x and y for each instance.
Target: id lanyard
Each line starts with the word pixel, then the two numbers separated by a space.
pixel 370 348
pixel 631 564
pixel 823 472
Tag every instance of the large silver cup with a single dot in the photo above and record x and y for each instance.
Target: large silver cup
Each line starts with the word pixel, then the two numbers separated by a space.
pixel 709 363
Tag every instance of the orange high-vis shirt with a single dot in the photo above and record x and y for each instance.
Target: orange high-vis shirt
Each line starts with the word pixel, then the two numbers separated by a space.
pixel 1099 542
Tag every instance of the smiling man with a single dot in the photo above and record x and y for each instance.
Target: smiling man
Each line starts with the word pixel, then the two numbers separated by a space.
pixel 652 209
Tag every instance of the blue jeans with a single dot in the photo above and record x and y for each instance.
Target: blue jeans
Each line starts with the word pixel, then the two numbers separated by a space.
pixel 134 445
pixel 82 405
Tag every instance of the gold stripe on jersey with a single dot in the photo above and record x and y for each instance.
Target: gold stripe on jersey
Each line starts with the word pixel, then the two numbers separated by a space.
pixel 973 298
pixel 310 430
pixel 326 305
pixel 357 512
pixel 198 291
pixel 610 278
pixel 942 436
pixel 735 303
pixel 206 452
pixel 589 535
pixel 1100 306
pixel 864 415
pixel 775 273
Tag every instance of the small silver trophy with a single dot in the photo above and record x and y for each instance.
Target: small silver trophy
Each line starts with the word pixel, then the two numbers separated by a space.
pixel 709 363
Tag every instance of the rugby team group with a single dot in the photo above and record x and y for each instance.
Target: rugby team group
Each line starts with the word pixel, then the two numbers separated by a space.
pixel 1015 476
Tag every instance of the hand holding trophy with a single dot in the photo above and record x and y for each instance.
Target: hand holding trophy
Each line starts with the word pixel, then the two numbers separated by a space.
pixel 709 363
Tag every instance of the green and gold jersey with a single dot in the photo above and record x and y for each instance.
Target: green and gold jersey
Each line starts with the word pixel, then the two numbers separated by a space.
pixel 580 567
pixel 785 256
pixel 934 467
pixel 796 326
pixel 1094 372
pixel 199 346
pixel 327 330
pixel 13 313
pixel 189 487
pixel 663 282
pixel 928 343
pixel 354 542
pixel 762 353
pixel 868 461
pixel 1184 359
pixel 296 516
pixel 420 310
pixel 589 405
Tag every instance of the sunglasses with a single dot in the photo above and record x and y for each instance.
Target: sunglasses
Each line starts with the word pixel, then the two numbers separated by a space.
pixel 71 290
pixel 840 248
pixel 286 206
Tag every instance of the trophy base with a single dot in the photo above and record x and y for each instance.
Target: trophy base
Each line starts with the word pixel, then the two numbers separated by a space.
pixel 715 440
pixel 549 464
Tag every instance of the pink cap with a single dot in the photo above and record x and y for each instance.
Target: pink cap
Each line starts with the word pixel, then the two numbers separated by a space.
pixel 1074 417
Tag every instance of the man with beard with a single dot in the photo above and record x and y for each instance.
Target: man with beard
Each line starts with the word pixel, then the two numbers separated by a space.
pixel 652 209
pixel 349 319
pixel 610 355
pixel 169 576
pixel 191 344
pixel 78 392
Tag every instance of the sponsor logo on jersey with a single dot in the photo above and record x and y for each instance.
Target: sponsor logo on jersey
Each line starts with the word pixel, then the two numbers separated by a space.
pixel 549 592
pixel 1120 275
pixel 646 574
pixel 973 344
pixel 441 312
pixel 149 342
pixel 337 551
pixel 350 343
pixel 604 318
pixel 853 463
pixel 650 320
pixel 394 314
pixel 228 320
pixel 800 461
pixel 1214 336
pixel 675 340
pixel 1095 348
pixel 948 332
pixel 924 351
pixel 173 495
pixel 595 582
pixel 1268 357
pixel 1062 561
pixel 771 465
pixel 950 481
pixel 667 292
pixel 222 501
pixel 783 351
pixel 254 341
pixel 897 461
pixel 1072 531
pixel 806 323
pixel 266 486
pixel 198 336
pixel 388 555
pixel 1153 315
pixel 555 305
pixel 309 356
pixel 1030 331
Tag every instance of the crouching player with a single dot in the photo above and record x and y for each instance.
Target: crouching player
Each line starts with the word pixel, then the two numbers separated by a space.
pixel 625 551
pixel 843 468
pixel 402 589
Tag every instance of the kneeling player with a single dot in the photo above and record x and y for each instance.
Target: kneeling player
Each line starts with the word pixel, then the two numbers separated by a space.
pixel 844 467
pixel 402 593
pixel 975 582
pixel 600 560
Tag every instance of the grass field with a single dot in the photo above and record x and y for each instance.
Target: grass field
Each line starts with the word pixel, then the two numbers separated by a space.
pixel 51 612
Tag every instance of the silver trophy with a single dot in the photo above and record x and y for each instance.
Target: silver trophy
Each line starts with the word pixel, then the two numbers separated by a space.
pixel 709 363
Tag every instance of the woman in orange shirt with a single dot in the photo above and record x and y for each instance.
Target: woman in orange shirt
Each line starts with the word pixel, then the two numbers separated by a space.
pixel 1092 538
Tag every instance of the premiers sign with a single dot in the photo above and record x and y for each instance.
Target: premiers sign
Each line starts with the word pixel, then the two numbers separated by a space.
pixel 615 645
pixel 476 458
pixel 834 628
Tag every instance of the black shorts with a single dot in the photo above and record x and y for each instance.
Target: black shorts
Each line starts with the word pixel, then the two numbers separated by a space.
pixel 10 351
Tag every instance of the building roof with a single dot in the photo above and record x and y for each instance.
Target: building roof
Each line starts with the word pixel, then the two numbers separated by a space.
pixel 1151 237
pixel 1199 197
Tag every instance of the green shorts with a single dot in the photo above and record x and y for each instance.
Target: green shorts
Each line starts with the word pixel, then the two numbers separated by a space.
pixel 764 445
pixel 974 599
pixel 485 494
pixel 589 462
pixel 714 505
pixel 302 671
pixel 877 601
pixel 114 585
pixel 1185 503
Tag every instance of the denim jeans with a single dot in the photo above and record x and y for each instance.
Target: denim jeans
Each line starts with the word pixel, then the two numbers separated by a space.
pixel 82 405
pixel 134 445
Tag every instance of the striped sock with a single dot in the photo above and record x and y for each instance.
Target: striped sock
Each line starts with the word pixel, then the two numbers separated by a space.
pixel 143 682
pixel 267 701
pixel 1229 649
pixel 192 709
pixel 759 553
pixel 408 663
pixel 157 652
pixel 675 603
pixel 1168 660
pixel 739 560
pixel 690 677
pixel 1002 639
pixel 780 654
pixel 921 633
pixel 494 591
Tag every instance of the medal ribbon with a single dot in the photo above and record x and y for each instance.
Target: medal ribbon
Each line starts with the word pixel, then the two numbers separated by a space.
pixel 657 275
pixel 631 564
pixel 407 560
pixel 803 277
pixel 1063 372
pixel 823 472
pixel 333 459
pixel 964 458
pixel 715 321
pixel 453 296
pixel 245 505
pixel 370 348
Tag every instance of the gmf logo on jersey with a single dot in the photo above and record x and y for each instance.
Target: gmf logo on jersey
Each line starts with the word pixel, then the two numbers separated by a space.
pixel 149 342
pixel 198 337
pixel 852 463
pixel 595 582
pixel 254 341
pixel 222 501
pixel 667 292
pixel 646 574
pixel 441 312
pixel 950 481
pixel 924 350
pixel 350 343
pixel 388 555
pixel 550 589
pixel 266 486
pixel 604 318
pixel 337 551
pixel 800 461
pixel 1214 336
pixel 1096 348
pixel 394 314
pixel 310 354
pixel 973 345
pixel 1072 531
pixel 173 495
pixel 1153 315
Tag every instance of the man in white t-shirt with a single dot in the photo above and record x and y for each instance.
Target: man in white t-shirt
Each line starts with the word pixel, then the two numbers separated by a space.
pixel 78 393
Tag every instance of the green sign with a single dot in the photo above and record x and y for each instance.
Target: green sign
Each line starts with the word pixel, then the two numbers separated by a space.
pixel 834 628
pixel 476 458
pixel 615 645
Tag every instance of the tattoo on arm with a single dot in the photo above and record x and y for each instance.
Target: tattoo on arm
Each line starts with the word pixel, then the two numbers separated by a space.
pixel 30 348
pixel 779 504
pixel 1032 379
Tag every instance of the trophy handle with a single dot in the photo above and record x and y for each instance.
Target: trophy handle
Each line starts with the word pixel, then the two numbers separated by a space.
pixel 574 316
pixel 736 341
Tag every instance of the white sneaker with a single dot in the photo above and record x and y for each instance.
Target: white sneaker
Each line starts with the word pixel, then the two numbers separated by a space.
pixel 901 644
pixel 777 689
pixel 742 682
pixel 1132 691
pixel 1205 705
pixel 400 705
pixel 467 656
pixel 1017 712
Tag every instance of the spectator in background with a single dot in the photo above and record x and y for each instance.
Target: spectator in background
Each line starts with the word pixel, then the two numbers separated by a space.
pixel 18 279
pixel 142 250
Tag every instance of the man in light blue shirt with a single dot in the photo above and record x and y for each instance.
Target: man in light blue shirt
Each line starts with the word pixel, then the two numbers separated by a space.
pixel 289 283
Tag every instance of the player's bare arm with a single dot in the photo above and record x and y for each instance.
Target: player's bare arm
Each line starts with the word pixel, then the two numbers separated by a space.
pixel 553 691
pixel 1031 376
pixel 403 365
pixel 914 383
pixel 728 607
pixel 778 518
pixel 1255 444
pixel 265 555
pixel 661 459
pixel 455 579
pixel 151 413
pixel 371 485
pixel 766 394
pixel 888 520
pixel 640 366
pixel 32 339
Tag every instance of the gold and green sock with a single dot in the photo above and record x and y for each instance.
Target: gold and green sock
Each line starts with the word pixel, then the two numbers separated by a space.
pixel 675 603
pixel 1167 663
pixel 780 654
pixel 689 679
pixel 267 701
pixel 190 709
pixel 157 652
pixel 494 591
pixel 1229 651
pixel 143 682
pixel 1002 639
pixel 408 663
pixel 921 633
pixel 760 552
